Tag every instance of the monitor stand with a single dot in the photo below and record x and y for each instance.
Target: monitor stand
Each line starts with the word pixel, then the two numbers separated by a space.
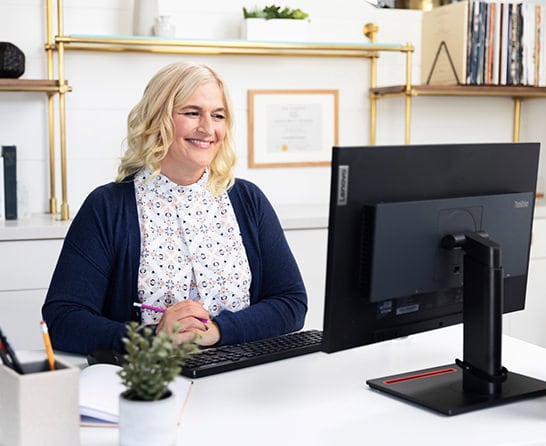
pixel 479 380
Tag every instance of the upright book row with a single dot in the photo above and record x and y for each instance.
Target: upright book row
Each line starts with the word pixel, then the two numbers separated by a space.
pixel 485 43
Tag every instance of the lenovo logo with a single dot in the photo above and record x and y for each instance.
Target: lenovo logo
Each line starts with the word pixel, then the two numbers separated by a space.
pixel 521 204
pixel 342 185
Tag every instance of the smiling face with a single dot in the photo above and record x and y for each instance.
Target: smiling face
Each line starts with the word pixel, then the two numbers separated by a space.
pixel 199 131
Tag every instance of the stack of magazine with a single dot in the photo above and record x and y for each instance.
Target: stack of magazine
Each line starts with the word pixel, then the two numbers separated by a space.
pixel 485 43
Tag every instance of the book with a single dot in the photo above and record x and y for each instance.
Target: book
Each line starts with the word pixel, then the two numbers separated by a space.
pixel 484 39
pixel 444 27
pixel 480 25
pixel 514 44
pixel 527 43
pixel 534 16
pixel 2 210
pixel 503 49
pixel 100 387
pixel 496 52
pixel 541 50
pixel 491 43
pixel 9 155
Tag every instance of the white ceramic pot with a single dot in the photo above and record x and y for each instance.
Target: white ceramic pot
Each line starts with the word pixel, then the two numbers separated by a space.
pixel 145 423
pixel 277 30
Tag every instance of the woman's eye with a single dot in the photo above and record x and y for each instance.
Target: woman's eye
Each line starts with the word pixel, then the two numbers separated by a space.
pixel 191 113
pixel 218 116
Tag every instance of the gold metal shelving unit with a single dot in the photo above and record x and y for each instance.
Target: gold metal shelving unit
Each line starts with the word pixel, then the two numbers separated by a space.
pixel 52 87
pixel 29 85
pixel 57 43
pixel 61 43
pixel 369 50
pixel 63 89
pixel 222 47
pixel 517 93
pixel 246 48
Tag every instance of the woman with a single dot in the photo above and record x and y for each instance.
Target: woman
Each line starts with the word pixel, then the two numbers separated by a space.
pixel 177 231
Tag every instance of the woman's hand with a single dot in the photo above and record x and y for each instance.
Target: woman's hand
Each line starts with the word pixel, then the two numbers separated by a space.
pixel 210 336
pixel 194 323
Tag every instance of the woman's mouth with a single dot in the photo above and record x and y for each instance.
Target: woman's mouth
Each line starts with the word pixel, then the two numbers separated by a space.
pixel 200 143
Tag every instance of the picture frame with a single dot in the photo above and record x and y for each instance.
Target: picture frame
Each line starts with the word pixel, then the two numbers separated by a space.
pixel 292 128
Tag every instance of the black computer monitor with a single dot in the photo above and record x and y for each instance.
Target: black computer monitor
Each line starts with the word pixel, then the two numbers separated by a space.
pixel 426 236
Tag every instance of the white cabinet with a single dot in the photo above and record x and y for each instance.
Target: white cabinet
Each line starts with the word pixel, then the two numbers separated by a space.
pixel 309 249
pixel 530 324
pixel 29 251
pixel 306 229
pixel 27 264
pixel 20 317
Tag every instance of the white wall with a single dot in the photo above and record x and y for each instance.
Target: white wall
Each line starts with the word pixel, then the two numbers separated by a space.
pixel 107 85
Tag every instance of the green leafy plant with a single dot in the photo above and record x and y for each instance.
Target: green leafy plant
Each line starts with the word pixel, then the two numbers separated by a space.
pixel 151 362
pixel 274 12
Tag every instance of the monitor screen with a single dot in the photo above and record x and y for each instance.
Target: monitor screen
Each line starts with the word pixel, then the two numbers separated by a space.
pixel 403 222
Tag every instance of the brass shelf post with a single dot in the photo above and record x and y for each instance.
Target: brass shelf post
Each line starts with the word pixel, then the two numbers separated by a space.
pixel 51 110
pixel 65 214
pixel 370 31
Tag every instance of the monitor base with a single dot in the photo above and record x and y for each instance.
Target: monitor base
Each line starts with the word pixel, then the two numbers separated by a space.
pixel 441 389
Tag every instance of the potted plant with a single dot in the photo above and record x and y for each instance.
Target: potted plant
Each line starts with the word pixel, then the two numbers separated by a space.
pixel 274 23
pixel 148 411
pixel 274 12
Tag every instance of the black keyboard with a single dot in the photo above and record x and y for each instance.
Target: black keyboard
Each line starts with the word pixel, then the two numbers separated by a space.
pixel 237 356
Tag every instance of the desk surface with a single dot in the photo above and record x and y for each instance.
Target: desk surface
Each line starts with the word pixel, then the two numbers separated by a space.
pixel 323 399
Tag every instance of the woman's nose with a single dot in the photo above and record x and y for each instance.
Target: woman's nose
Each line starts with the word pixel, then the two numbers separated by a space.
pixel 205 124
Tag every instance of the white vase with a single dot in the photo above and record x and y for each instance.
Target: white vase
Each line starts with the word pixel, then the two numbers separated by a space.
pixel 164 26
pixel 144 15
pixel 145 423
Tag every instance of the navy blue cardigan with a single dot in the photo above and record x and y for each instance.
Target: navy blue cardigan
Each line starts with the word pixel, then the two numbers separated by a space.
pixel 91 294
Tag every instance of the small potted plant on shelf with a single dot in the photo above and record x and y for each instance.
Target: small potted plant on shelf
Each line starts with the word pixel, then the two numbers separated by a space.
pixel 148 412
pixel 273 23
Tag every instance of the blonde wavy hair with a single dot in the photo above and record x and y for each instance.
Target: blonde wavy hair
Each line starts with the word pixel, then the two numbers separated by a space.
pixel 150 125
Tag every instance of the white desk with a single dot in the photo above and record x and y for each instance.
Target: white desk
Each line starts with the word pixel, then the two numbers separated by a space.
pixel 322 399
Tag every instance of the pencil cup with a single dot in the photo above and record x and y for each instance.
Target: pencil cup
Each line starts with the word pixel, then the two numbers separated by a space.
pixel 39 407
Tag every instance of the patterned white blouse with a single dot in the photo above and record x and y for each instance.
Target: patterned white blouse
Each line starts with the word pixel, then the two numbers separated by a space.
pixel 191 247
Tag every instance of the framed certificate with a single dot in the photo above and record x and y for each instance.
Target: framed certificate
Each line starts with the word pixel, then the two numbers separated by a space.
pixel 291 128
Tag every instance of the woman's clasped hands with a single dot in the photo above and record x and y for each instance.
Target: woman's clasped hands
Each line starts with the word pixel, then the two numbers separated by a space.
pixel 195 323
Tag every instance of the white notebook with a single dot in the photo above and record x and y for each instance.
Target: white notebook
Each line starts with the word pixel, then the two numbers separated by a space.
pixel 100 387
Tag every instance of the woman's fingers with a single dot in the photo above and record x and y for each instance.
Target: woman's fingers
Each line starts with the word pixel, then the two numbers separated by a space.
pixel 206 337
pixel 185 309
pixel 191 319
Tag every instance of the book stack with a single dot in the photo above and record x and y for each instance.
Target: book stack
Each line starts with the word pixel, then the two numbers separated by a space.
pixel 8 183
pixel 485 43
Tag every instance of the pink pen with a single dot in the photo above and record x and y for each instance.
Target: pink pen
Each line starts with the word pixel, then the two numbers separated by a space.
pixel 161 310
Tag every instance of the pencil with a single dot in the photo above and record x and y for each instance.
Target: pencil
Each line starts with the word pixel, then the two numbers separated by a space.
pixel 149 307
pixel 12 357
pixel 47 343
pixel 161 310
